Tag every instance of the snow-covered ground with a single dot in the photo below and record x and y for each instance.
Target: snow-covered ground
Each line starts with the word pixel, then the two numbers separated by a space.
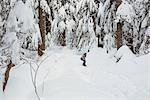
pixel 61 76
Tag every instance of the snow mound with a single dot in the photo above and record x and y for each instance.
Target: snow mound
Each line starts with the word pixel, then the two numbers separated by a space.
pixel 124 54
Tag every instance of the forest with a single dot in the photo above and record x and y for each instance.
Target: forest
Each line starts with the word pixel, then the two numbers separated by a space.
pixel 42 43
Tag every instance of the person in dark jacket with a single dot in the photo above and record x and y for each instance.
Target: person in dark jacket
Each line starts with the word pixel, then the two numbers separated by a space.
pixel 83 58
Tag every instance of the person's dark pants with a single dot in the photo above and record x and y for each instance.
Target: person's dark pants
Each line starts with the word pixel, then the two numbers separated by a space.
pixel 84 63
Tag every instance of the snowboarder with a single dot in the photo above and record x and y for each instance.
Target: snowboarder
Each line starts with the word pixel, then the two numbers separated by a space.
pixel 83 58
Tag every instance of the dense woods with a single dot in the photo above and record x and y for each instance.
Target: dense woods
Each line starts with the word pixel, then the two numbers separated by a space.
pixel 29 27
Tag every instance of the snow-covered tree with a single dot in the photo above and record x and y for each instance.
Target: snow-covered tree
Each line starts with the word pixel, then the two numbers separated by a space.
pixel 57 35
pixel 127 20
pixel 5 6
pixel 134 16
pixel 4 11
pixel 71 23
pixel 106 21
pixel 145 46
pixel 85 30
pixel 21 33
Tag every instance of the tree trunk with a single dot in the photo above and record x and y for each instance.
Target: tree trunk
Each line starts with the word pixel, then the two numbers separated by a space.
pixel 62 38
pixel 118 2
pixel 119 28
pixel 40 52
pixel 119 35
pixel 42 25
pixel 98 40
pixel 6 77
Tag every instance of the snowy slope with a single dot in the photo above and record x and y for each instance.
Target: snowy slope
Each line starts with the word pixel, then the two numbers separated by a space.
pixel 61 76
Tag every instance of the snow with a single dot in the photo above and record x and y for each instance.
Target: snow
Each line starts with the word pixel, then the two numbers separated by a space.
pixel 27 21
pixel 82 4
pixel 21 22
pixel 1 23
pixel 125 54
pixel 61 76
pixel 72 9
pixel 62 26
pixel 70 24
pixel 145 22
pixel 45 6
pixel 100 10
pixel 62 12
pixel 148 31
pixel 125 11
pixel 108 42
pixel 15 52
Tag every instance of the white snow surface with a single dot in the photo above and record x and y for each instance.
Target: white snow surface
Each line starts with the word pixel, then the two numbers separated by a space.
pixel 61 76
